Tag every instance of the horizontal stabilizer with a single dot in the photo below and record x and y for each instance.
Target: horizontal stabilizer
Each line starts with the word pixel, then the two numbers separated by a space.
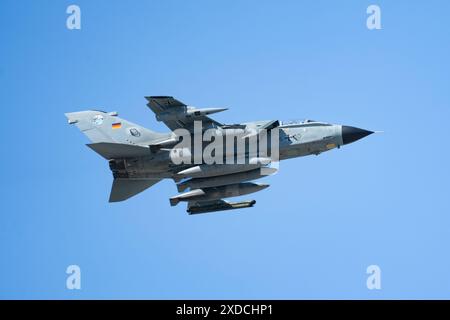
pixel 123 189
pixel 118 150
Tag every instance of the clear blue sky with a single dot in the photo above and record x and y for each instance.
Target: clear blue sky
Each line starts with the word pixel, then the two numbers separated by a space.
pixel 383 200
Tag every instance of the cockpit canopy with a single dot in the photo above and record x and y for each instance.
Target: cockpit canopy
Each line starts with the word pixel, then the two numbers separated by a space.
pixel 305 122
pixel 296 121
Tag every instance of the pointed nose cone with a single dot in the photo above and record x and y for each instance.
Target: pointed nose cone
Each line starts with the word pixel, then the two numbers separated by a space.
pixel 352 134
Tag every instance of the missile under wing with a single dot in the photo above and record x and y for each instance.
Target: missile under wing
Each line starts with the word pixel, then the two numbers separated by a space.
pixel 197 207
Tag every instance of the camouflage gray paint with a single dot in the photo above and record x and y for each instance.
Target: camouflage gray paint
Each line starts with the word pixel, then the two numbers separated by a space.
pixel 139 157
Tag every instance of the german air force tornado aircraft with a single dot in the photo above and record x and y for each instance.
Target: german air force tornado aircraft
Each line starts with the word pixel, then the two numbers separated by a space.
pixel 209 161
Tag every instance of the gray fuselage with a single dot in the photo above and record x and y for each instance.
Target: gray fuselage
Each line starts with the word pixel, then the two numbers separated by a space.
pixel 295 140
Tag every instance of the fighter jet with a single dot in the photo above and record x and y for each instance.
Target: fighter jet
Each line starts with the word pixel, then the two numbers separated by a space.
pixel 241 153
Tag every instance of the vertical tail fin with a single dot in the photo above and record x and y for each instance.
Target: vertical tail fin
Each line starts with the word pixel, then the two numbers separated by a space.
pixel 101 126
